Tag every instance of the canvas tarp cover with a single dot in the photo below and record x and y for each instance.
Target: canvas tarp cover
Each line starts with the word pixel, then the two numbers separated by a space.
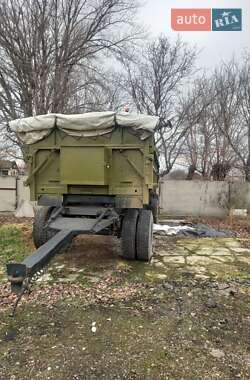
pixel 33 129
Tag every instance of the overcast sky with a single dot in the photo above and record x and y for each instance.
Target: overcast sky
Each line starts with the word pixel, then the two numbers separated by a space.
pixel 215 45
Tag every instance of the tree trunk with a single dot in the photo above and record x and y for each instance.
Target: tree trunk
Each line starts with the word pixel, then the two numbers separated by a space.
pixel 191 172
pixel 220 171
pixel 247 169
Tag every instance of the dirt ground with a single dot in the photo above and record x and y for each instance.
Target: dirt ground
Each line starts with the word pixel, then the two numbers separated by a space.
pixel 186 315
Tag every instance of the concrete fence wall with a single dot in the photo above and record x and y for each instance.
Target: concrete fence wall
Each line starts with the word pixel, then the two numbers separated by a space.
pixel 8 196
pixel 23 192
pixel 203 198
pixel 12 193
pixel 177 198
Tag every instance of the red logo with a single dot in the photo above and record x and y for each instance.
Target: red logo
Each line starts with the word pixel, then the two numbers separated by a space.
pixel 191 19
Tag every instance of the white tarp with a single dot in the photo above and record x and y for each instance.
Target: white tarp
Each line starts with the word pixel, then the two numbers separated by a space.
pixel 33 129
pixel 164 229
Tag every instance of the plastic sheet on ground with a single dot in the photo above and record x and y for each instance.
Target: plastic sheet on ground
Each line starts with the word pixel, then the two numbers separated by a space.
pixel 199 230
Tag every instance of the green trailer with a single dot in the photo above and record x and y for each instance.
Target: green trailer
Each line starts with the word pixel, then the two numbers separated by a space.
pixel 94 173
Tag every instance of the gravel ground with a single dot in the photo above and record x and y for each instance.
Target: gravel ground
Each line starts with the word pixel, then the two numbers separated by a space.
pixel 95 316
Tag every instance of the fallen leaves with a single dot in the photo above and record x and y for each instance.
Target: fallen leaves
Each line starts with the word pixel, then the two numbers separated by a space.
pixel 108 290
pixel 241 226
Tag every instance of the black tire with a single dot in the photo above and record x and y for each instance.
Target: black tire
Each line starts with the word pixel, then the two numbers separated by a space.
pixel 41 234
pixel 154 206
pixel 128 236
pixel 144 235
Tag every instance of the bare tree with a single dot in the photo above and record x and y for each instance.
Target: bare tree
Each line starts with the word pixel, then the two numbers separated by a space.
pixel 225 117
pixel 100 91
pixel 230 118
pixel 154 79
pixel 242 144
pixel 46 47
pixel 215 111
pixel 197 146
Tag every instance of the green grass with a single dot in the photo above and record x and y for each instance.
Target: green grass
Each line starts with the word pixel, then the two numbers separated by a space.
pixel 12 245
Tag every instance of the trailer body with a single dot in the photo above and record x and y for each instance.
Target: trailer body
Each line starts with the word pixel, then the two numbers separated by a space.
pixel 120 167
pixel 95 173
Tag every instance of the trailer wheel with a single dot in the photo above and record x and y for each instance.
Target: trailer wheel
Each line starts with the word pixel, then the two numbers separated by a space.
pixel 41 234
pixel 154 206
pixel 128 236
pixel 144 235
